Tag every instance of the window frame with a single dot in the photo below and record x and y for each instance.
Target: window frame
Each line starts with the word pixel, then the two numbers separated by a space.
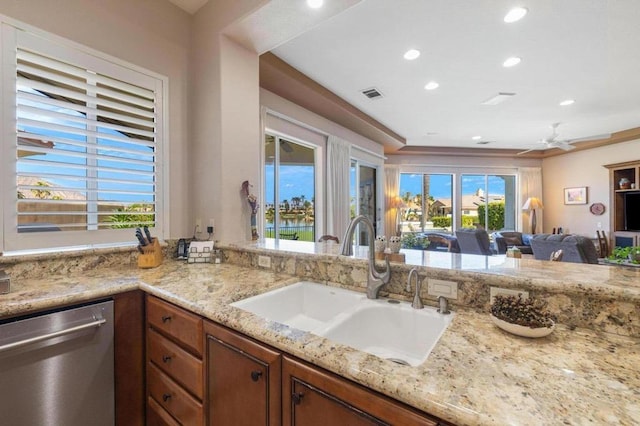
pixel 14 34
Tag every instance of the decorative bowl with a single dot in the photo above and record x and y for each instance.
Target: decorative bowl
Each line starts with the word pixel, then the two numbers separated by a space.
pixel 521 330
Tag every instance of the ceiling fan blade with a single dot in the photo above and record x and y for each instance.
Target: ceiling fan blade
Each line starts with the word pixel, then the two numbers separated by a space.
pixel 591 138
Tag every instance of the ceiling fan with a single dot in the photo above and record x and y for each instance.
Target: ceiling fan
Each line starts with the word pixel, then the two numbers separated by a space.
pixel 552 141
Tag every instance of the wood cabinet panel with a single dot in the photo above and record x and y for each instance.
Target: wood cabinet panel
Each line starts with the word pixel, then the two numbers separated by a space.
pixel 129 358
pixel 176 323
pixel 157 416
pixel 177 363
pixel 243 380
pixel 312 396
pixel 169 395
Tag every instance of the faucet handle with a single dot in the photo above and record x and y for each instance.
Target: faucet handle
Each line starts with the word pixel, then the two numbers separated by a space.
pixel 443 304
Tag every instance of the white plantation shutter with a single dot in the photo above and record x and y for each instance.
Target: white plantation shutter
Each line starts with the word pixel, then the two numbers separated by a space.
pixel 86 148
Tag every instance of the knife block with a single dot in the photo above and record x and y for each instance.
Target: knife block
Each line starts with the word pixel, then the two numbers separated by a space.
pixel 152 255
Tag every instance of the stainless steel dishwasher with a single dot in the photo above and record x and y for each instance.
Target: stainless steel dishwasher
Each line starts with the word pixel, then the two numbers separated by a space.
pixel 56 369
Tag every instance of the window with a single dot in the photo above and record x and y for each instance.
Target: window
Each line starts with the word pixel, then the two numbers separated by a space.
pixel 363 193
pixel 85 157
pixel 430 213
pixel 290 188
pixel 489 201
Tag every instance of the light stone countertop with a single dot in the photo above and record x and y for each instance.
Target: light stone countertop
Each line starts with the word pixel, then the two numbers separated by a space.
pixel 476 374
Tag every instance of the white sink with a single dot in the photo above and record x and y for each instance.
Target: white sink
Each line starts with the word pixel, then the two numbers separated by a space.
pixel 305 305
pixel 393 331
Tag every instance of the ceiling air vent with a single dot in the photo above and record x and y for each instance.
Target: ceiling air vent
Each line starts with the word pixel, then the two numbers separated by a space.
pixel 483 142
pixel 499 98
pixel 372 93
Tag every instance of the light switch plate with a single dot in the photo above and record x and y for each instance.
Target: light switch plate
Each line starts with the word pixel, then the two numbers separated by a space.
pixel 506 292
pixel 448 289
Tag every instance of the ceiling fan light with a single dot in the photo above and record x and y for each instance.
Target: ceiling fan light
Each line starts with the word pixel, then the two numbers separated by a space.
pixel 411 54
pixel 431 85
pixel 567 102
pixel 511 62
pixel 515 14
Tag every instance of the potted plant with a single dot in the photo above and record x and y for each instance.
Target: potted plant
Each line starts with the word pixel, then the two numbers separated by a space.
pixel 629 254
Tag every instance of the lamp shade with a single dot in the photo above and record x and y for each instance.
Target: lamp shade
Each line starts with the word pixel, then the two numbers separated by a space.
pixel 532 203
pixel 397 203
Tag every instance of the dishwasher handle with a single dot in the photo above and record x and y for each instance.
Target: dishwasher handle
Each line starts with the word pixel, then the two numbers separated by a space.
pixel 8 346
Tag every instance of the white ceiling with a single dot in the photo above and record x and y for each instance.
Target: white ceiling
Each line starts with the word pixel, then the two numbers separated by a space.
pixel 585 50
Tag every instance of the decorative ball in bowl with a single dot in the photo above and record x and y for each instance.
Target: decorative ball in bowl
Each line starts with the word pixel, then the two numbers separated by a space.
pixel 522 317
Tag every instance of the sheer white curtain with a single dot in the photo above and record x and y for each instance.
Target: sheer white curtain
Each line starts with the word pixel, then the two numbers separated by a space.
pixel 391 191
pixel 338 164
pixel 530 186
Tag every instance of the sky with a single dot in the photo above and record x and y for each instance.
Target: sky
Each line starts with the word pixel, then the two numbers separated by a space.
pixel 440 185
pixel 298 180
pixel 295 181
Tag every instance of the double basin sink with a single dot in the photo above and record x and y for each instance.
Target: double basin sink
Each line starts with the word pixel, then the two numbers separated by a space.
pixel 386 328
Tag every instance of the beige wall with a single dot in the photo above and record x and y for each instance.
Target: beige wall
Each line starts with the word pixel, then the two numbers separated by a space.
pixel 576 169
pixel 153 35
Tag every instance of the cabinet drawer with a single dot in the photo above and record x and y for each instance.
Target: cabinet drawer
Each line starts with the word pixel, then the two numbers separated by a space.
pixel 157 416
pixel 179 364
pixel 176 323
pixel 170 396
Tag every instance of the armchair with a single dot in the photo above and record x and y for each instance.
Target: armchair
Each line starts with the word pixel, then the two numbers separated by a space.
pixel 474 241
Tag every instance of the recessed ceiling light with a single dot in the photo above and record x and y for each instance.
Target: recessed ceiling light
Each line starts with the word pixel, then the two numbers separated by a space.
pixel 411 54
pixel 512 61
pixel 315 4
pixel 476 138
pixel 431 85
pixel 515 14
pixel 567 102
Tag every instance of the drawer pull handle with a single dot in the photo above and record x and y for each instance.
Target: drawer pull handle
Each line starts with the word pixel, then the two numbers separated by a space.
pixel 166 318
pixel 297 398
pixel 166 397
pixel 166 358
pixel 255 375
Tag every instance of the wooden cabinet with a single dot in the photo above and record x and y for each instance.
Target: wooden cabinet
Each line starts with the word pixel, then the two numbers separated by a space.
pixel 311 396
pixel 199 372
pixel 175 381
pixel 624 179
pixel 243 379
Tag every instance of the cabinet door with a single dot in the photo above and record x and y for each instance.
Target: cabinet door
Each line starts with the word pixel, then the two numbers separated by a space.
pixel 311 396
pixel 243 380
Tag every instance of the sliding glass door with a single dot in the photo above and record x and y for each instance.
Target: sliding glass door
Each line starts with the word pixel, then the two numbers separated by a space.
pixel 290 182
pixel 488 201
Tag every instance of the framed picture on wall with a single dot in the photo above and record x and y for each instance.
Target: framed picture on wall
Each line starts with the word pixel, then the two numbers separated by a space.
pixel 575 195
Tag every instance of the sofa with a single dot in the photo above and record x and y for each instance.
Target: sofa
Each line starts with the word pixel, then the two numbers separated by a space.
pixel 575 248
pixel 503 240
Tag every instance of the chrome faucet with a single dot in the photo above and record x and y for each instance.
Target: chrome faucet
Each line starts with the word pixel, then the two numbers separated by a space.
pixel 417 303
pixel 375 279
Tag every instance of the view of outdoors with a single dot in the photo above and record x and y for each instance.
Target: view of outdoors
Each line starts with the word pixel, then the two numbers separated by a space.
pixel 290 179
pixel 81 166
pixel 487 201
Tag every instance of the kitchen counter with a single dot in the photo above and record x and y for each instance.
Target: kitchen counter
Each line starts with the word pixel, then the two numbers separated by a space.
pixel 476 374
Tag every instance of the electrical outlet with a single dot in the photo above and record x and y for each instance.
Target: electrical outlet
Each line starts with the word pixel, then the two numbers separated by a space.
pixel 198 225
pixel 448 289
pixel 494 291
pixel 264 261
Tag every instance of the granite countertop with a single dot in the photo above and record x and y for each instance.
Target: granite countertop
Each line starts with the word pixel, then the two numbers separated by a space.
pixel 476 374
